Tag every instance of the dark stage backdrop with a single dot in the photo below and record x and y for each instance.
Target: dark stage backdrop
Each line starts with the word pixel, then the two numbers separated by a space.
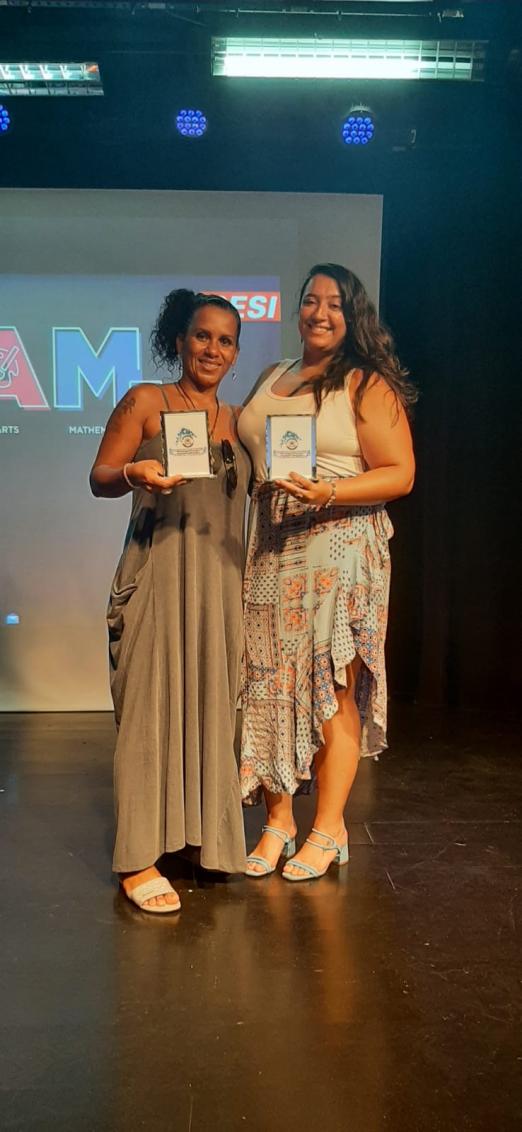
pixel 452 294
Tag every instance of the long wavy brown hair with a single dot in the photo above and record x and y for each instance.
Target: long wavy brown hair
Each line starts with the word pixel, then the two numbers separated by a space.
pixel 367 345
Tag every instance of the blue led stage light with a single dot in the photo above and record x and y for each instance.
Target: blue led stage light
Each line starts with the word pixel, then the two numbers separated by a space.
pixel 191 123
pixel 359 127
pixel 5 120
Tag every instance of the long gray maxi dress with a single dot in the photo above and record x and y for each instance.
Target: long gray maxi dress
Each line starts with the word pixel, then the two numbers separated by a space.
pixel 175 643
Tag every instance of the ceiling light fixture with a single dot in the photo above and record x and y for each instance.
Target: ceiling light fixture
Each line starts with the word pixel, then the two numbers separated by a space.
pixel 358 128
pixel 315 58
pixel 191 123
pixel 5 120
pixel 50 78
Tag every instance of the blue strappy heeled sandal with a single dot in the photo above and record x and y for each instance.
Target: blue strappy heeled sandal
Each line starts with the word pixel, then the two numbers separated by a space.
pixel 308 871
pixel 287 850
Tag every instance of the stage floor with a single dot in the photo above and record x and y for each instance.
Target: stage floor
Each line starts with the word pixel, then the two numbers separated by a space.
pixel 384 997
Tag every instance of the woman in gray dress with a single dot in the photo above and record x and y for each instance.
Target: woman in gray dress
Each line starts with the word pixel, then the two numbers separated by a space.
pixel 175 611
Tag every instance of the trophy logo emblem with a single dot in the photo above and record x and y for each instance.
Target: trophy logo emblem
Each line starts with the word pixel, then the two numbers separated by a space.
pixel 186 437
pixel 290 440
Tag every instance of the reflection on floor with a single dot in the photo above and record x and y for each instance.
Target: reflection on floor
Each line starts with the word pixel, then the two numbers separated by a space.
pixel 384 997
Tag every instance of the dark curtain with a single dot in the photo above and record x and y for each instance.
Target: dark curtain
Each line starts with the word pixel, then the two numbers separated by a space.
pixel 452 295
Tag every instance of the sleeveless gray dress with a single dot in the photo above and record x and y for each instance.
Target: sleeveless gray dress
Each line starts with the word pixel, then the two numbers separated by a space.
pixel 175 645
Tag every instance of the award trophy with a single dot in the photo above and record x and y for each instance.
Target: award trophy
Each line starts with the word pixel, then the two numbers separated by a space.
pixel 291 446
pixel 186 444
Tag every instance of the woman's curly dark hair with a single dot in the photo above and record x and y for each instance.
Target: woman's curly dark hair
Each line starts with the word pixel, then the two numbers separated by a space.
pixel 367 345
pixel 176 312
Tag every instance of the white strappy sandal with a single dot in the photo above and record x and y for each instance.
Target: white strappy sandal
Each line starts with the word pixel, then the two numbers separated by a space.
pixel 158 886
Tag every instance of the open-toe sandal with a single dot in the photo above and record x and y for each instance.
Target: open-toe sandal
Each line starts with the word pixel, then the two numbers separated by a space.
pixel 287 850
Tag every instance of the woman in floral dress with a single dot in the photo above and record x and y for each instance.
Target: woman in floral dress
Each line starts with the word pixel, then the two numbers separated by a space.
pixel 317 577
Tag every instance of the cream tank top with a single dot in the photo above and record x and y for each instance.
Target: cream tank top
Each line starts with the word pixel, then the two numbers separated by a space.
pixel 338 448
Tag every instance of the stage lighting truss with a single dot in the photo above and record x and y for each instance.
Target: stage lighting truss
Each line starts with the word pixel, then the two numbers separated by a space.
pixel 191 123
pixel 320 58
pixel 5 120
pixel 50 79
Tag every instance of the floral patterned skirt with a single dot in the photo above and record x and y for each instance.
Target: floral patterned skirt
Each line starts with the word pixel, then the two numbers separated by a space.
pixel 316 596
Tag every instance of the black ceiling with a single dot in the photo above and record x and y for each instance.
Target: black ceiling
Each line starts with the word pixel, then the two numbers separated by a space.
pixel 35 24
pixel 155 58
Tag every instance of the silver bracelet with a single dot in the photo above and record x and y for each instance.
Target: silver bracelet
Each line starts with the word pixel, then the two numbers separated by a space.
pixel 333 494
pixel 125 476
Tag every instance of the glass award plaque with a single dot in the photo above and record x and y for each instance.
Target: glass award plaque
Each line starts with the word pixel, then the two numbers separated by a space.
pixel 186 444
pixel 291 445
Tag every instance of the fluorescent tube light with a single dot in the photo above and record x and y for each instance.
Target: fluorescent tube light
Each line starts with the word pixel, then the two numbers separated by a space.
pixel 50 78
pixel 250 57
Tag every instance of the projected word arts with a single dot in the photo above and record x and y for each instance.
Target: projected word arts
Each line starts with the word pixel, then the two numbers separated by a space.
pixel 115 365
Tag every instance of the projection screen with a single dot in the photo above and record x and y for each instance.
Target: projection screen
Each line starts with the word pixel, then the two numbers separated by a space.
pixel 82 277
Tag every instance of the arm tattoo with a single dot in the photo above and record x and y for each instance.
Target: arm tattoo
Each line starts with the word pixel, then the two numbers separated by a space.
pixel 116 420
pixel 127 404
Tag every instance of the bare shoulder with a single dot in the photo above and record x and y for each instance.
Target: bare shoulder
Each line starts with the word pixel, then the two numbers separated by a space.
pixel 353 382
pixel 145 393
pixel 139 402
pixel 377 394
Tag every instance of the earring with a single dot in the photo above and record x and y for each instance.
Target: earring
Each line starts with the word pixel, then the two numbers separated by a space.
pixel 234 375
pixel 177 368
